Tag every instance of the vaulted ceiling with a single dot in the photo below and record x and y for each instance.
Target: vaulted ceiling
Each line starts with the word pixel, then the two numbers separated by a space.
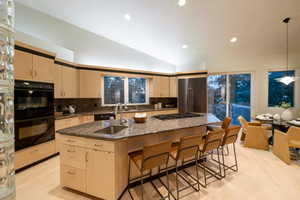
pixel 160 27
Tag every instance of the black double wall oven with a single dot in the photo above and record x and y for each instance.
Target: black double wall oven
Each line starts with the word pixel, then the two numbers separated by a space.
pixel 34 113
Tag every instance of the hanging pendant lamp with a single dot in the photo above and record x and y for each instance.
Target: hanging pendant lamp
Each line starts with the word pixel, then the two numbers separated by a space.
pixel 287 79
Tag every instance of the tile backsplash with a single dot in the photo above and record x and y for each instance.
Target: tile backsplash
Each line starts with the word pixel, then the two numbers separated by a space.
pixel 94 104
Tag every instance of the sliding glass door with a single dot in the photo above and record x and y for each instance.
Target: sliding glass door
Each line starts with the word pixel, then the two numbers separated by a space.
pixel 230 95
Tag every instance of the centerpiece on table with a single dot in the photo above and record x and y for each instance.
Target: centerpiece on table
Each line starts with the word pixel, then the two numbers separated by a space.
pixel 287 114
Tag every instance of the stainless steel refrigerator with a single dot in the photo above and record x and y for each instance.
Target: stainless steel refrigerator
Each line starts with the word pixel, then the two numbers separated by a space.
pixel 192 95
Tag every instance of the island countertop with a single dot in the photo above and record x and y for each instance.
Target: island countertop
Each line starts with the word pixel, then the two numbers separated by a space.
pixel 151 126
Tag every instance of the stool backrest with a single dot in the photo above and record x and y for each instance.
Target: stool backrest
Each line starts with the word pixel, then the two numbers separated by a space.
pixel 213 140
pixel 226 123
pixel 189 146
pixel 243 123
pixel 231 135
pixel 156 155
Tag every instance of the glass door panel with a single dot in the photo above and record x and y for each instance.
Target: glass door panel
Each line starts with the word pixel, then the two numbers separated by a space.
pixel 239 96
pixel 217 97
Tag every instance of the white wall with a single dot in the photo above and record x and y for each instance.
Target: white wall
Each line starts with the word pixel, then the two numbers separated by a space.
pixel 88 48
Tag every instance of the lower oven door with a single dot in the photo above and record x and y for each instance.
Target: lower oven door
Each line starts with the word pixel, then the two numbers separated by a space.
pixel 34 131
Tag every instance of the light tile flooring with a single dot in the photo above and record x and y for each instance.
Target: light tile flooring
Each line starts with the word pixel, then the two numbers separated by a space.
pixel 261 176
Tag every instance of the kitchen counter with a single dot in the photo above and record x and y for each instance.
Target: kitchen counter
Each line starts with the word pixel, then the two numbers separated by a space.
pixel 151 126
pixel 58 117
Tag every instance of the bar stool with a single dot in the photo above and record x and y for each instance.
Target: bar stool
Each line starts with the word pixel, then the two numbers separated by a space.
pixel 230 137
pixel 212 143
pixel 226 123
pixel 152 156
pixel 186 151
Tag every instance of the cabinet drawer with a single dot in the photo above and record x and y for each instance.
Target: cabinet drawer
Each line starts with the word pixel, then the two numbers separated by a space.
pixel 33 154
pixel 101 145
pixel 73 156
pixel 66 123
pixel 73 178
pixel 71 140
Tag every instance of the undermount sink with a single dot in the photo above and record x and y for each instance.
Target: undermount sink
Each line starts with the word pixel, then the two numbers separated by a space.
pixel 111 129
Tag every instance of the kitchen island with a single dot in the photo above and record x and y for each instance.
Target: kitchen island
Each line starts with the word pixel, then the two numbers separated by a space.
pixel 94 156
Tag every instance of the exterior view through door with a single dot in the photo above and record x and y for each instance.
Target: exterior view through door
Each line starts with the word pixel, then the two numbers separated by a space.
pixel 230 95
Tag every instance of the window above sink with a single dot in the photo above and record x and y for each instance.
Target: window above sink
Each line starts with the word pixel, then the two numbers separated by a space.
pixel 125 90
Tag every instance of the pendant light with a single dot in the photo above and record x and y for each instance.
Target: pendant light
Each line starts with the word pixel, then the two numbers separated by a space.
pixel 287 79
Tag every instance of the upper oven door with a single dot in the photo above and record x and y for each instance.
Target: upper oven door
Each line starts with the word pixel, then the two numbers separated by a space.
pixel 33 132
pixel 33 100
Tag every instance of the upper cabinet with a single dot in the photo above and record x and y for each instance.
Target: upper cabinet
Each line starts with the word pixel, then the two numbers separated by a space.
pixel 89 84
pixel 160 86
pixel 32 67
pixel 65 82
pixel 173 87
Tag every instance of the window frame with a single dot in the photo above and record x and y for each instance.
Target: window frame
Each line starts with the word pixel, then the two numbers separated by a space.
pixel 126 91
pixel 268 85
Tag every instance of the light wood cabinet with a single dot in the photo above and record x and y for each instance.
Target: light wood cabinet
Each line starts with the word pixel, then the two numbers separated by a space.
pixel 33 154
pixel 32 67
pixel 159 86
pixel 173 87
pixel 43 69
pixel 73 178
pixel 23 65
pixel 100 175
pixel 89 84
pixel 93 166
pixel 66 82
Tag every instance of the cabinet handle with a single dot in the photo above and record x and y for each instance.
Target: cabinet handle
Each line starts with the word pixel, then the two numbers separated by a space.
pixel 71 151
pixel 31 73
pixel 98 145
pixel 70 140
pixel 62 93
pixel 71 173
pixel 33 151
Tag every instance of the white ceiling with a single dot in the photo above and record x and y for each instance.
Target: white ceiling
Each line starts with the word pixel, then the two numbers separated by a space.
pixel 160 27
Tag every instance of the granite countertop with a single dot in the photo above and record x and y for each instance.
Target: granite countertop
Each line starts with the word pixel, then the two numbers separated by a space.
pixel 134 129
pixel 58 117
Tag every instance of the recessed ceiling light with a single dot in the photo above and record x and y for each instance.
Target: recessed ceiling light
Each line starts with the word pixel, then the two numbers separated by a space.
pixel 185 46
pixel 127 17
pixel 233 40
pixel 181 3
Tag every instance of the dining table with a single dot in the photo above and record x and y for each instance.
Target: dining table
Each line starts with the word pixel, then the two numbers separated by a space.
pixel 280 125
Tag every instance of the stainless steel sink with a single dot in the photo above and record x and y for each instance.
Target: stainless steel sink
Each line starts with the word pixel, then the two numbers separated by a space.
pixel 111 129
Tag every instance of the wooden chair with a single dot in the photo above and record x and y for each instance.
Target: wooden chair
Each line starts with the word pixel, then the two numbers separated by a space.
pixel 186 151
pixel 153 156
pixel 257 138
pixel 284 141
pixel 245 125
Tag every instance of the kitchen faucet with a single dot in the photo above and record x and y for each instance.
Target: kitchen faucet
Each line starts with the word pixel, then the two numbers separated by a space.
pixel 119 109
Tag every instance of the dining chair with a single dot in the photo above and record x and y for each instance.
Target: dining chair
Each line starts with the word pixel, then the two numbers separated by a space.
pixel 284 141
pixel 244 123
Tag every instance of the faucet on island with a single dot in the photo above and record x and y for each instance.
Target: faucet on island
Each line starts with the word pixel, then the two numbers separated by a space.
pixel 119 109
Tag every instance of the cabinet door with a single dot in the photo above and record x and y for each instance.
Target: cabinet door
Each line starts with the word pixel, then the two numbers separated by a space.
pixel 101 174
pixel 89 84
pixel 57 79
pixel 43 69
pixel 173 87
pixel 69 82
pixel 164 86
pixel 155 86
pixel 23 65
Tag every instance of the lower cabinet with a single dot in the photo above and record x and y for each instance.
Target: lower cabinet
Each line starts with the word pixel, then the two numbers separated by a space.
pixel 100 174
pixel 33 154
pixel 90 166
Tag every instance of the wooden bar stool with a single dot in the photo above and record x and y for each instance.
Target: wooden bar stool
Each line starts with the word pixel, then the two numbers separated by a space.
pixel 212 142
pixel 230 137
pixel 186 151
pixel 151 157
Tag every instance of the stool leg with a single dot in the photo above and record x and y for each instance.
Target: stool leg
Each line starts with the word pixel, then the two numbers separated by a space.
pixel 223 160
pixel 142 187
pixel 235 158
pixel 176 177
pixel 168 185
pixel 219 161
pixel 197 173
pixel 129 169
